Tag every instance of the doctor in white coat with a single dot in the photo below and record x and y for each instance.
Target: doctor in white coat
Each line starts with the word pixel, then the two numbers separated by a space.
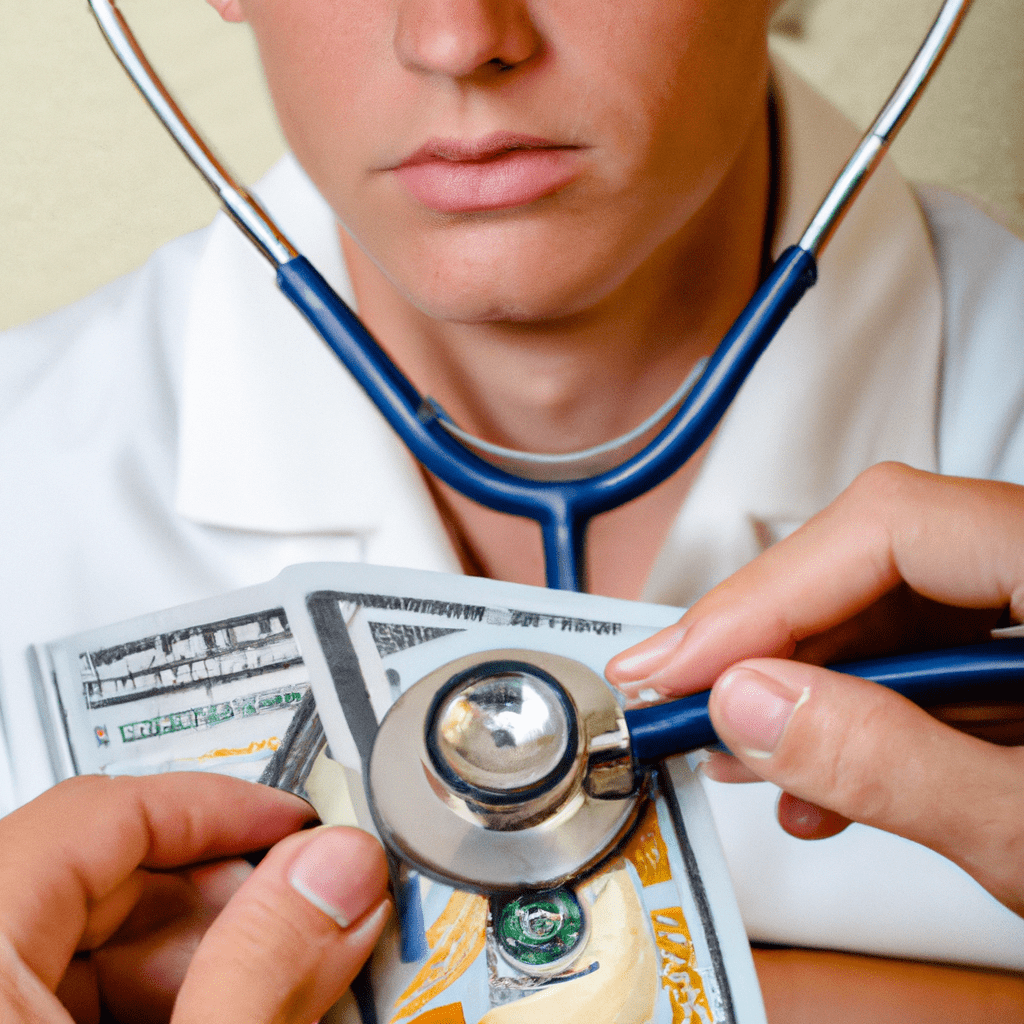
pixel 556 218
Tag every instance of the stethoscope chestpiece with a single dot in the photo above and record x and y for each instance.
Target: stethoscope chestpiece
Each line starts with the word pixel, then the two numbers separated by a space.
pixel 502 736
pixel 503 771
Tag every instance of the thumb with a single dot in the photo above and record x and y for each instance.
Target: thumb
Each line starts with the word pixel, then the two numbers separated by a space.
pixel 293 937
pixel 872 756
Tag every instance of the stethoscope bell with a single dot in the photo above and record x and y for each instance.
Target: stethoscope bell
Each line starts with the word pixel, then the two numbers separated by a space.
pixel 504 770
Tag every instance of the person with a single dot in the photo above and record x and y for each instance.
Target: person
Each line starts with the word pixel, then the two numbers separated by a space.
pixel 111 920
pixel 549 213
pixel 878 570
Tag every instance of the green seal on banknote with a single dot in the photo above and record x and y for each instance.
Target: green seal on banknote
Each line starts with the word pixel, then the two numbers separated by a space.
pixel 540 931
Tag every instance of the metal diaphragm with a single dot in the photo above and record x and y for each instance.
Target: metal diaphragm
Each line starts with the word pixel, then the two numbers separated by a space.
pixel 504 771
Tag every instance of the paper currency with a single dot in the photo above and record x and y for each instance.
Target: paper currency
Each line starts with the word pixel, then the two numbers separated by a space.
pixel 215 685
pixel 264 683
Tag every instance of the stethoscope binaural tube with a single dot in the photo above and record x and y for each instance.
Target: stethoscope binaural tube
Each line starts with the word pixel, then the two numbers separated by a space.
pixel 563 509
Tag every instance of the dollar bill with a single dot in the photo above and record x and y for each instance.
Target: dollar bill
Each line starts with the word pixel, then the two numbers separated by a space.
pixel 215 685
pixel 287 682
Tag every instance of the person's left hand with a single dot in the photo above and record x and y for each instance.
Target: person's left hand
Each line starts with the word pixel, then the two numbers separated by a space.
pixel 901 560
pixel 107 887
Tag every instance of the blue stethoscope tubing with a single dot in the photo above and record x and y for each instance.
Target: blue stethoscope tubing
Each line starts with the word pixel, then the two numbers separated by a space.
pixel 564 508
pixel 935 677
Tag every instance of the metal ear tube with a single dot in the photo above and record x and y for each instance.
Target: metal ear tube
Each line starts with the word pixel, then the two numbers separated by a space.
pixel 561 507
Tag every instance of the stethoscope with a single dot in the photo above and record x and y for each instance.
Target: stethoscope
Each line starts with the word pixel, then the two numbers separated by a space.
pixel 527 771
pixel 507 770
pixel 562 507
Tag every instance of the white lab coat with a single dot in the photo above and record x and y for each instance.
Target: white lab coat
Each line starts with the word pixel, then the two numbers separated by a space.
pixel 183 433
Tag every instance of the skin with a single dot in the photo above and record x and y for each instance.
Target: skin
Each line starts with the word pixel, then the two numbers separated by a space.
pixel 842 748
pixel 115 918
pixel 562 322
pixel 118 912
pixel 878 570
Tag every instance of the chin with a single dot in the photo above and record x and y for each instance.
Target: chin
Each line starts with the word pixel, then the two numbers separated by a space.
pixel 478 303
pixel 521 283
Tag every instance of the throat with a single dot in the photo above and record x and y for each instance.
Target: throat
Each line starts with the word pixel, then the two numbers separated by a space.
pixel 621 546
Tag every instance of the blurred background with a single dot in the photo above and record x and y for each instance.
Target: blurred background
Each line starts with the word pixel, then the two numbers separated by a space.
pixel 90 183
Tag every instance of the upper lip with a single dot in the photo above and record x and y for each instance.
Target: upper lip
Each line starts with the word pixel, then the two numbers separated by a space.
pixel 477 150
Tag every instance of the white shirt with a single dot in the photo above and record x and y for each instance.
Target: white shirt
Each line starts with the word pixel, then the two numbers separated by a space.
pixel 183 433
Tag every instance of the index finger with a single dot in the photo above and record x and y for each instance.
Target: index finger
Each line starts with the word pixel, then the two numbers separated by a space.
pixel 69 850
pixel 953 540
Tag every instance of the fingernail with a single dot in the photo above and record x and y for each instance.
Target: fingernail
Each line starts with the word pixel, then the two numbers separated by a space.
pixel 335 874
pixel 372 925
pixel 639 695
pixel 636 664
pixel 756 709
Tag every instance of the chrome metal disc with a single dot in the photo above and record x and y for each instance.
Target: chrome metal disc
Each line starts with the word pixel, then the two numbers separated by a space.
pixel 479 772
pixel 502 732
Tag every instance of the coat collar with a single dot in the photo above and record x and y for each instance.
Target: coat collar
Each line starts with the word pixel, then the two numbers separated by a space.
pixel 275 437
pixel 850 380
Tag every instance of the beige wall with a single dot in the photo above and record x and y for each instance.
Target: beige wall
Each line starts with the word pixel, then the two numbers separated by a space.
pixel 89 183
pixel 968 131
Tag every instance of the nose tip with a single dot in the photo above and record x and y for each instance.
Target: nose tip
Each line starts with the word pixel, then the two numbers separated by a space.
pixel 462 38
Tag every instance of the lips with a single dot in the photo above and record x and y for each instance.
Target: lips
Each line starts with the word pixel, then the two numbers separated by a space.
pixel 498 172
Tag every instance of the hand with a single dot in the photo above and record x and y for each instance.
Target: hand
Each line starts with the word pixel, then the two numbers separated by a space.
pixel 94 905
pixel 897 546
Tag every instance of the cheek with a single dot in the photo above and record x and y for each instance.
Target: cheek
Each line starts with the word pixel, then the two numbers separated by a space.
pixel 674 88
pixel 323 63
pixel 702 85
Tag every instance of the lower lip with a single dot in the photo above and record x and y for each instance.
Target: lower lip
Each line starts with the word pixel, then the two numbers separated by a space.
pixel 512 179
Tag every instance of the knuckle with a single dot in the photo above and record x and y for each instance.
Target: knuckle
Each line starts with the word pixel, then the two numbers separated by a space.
pixel 267 918
pixel 882 483
pixel 862 791
pixel 877 495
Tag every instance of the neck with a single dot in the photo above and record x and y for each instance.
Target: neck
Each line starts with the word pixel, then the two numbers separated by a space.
pixel 560 385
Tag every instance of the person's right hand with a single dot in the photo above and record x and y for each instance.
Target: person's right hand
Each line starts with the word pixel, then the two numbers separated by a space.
pixel 91 883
